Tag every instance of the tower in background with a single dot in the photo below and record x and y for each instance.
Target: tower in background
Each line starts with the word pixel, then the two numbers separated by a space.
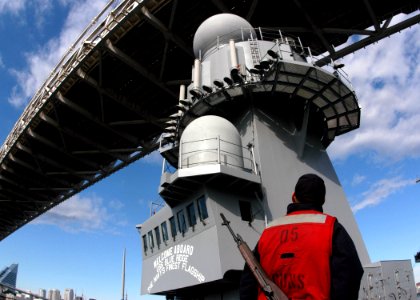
pixel 68 294
pixel 8 275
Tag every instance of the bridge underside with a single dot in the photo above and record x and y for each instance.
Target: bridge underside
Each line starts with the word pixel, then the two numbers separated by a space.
pixel 105 107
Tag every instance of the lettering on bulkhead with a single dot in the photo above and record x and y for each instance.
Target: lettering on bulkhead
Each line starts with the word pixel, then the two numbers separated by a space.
pixel 175 258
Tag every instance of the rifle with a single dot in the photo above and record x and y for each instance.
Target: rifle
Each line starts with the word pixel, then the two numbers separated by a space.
pixel 270 289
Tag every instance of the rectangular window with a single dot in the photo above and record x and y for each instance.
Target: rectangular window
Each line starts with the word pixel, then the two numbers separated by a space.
pixel 192 219
pixel 182 224
pixel 245 209
pixel 151 241
pixel 157 234
pixel 144 244
pixel 164 228
pixel 173 226
pixel 202 208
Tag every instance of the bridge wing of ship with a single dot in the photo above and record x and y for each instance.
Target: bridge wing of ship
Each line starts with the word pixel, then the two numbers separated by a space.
pixel 106 103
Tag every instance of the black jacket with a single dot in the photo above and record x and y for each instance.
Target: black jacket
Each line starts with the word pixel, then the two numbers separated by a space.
pixel 346 269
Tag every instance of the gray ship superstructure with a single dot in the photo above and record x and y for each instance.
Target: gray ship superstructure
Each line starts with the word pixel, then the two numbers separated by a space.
pixel 257 115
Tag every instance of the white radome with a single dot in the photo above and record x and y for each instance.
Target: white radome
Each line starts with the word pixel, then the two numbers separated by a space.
pixel 225 26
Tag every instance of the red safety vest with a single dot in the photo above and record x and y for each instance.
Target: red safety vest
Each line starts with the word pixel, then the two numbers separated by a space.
pixel 295 253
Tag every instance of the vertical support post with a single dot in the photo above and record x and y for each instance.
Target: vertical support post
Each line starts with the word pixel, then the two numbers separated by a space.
pixel 233 56
pixel 310 55
pixel 182 92
pixel 180 155
pixel 197 74
pixel 123 277
pixel 281 36
pixel 181 97
pixel 300 43
pixel 163 166
pixel 254 164
pixel 218 149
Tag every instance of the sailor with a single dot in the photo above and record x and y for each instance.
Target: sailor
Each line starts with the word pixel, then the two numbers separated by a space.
pixel 307 253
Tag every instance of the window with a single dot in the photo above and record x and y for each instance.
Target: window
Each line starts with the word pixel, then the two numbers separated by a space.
pixel 164 228
pixel 173 226
pixel 151 241
pixel 182 224
pixel 245 209
pixel 202 208
pixel 157 234
pixel 192 219
pixel 144 244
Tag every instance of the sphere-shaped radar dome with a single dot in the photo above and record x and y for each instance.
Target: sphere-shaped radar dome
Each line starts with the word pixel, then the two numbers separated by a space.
pixel 224 26
pixel 211 140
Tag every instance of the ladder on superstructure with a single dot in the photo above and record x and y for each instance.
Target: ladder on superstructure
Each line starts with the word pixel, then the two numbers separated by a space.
pixel 255 52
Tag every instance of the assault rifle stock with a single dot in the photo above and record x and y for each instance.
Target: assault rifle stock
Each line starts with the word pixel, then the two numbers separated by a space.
pixel 270 289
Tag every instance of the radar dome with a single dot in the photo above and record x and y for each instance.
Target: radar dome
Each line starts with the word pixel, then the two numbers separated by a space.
pixel 224 26
pixel 208 140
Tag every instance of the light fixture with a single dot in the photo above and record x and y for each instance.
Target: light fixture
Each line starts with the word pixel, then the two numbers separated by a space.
pixel 218 83
pixel 265 64
pixel 196 94
pixel 236 76
pixel 185 102
pixel 207 89
pixel 256 72
pixel 170 129
pixel 228 80
pixel 272 54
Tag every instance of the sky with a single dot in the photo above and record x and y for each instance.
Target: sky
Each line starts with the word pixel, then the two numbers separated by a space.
pixel 80 243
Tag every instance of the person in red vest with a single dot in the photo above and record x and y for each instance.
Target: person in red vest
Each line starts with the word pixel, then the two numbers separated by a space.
pixel 307 253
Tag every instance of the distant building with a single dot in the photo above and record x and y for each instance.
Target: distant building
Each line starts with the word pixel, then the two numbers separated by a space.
pixel 68 294
pixel 54 294
pixel 42 293
pixel 8 275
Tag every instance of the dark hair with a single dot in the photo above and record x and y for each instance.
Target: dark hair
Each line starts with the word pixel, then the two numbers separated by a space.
pixel 310 188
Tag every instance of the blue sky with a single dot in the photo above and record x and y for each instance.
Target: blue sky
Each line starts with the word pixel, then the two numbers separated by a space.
pixel 80 243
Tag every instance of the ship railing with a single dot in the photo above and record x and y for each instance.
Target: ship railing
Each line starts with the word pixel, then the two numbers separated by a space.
pixel 215 151
pixel 273 35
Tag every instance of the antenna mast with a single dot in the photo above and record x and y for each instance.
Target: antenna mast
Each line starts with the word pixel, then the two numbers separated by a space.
pixel 123 277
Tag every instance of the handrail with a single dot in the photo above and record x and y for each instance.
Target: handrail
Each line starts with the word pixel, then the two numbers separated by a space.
pixel 219 151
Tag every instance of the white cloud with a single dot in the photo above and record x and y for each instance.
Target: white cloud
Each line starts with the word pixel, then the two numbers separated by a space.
pixel 42 61
pixel 386 79
pixel 1 62
pixel 77 214
pixel 380 190
pixel 357 179
pixel 8 6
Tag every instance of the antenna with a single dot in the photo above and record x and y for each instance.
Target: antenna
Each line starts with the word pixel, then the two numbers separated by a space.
pixel 123 277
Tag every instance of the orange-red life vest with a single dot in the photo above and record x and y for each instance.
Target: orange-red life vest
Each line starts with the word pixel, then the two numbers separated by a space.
pixel 295 253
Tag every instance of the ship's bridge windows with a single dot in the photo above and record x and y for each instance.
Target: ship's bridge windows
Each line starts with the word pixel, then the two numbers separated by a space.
pixel 192 219
pixel 202 208
pixel 182 224
pixel 164 228
pixel 157 234
pixel 173 226
pixel 144 243
pixel 151 240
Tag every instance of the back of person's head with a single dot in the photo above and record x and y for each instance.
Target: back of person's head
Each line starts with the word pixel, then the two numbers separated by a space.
pixel 310 188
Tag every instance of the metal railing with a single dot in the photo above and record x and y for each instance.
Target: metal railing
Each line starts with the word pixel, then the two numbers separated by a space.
pixel 218 152
pixel 279 38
